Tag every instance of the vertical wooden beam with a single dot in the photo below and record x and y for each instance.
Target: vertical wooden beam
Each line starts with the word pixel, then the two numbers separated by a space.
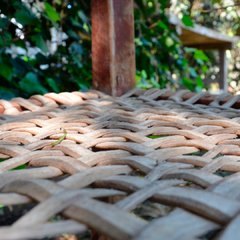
pixel 223 70
pixel 113 51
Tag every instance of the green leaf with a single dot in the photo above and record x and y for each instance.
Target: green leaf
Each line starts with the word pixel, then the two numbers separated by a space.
pixel 188 83
pixel 3 23
pixel 86 27
pixel 76 49
pixel 51 12
pixel 52 83
pixel 199 82
pixel 59 2
pixel 162 25
pixel 7 93
pixel 31 84
pixel 82 16
pixel 24 16
pixel 138 42
pixel 200 55
pixel 193 72
pixel 83 86
pixel 39 41
pixel 24 166
pixel 20 66
pixel 187 21
pixel 73 34
pixel 6 71
pixel 189 49
pixel 5 39
pixel 204 68
pixel 169 42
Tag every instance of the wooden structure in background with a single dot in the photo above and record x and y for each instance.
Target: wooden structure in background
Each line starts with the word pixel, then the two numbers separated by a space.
pixel 113 51
pixel 205 38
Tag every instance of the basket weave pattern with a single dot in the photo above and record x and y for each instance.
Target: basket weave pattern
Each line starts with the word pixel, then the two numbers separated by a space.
pixel 147 165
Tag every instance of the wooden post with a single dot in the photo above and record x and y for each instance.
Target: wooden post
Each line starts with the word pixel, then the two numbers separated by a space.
pixel 113 51
pixel 223 70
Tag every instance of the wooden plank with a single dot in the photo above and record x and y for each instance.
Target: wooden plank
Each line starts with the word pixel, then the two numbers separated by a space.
pixel 113 51
pixel 209 46
pixel 199 35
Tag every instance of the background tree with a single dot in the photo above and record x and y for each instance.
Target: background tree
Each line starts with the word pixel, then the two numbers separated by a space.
pixel 44 46
pixel 162 61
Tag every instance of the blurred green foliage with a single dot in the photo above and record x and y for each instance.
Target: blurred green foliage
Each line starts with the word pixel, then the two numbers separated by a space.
pixel 46 46
pixel 161 59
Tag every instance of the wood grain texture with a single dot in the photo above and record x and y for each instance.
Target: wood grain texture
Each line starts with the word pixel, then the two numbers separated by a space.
pixel 113 54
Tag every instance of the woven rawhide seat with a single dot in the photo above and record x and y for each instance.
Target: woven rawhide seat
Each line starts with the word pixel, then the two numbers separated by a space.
pixel 147 165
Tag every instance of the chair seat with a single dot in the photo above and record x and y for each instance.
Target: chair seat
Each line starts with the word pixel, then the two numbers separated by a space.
pixel 148 165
